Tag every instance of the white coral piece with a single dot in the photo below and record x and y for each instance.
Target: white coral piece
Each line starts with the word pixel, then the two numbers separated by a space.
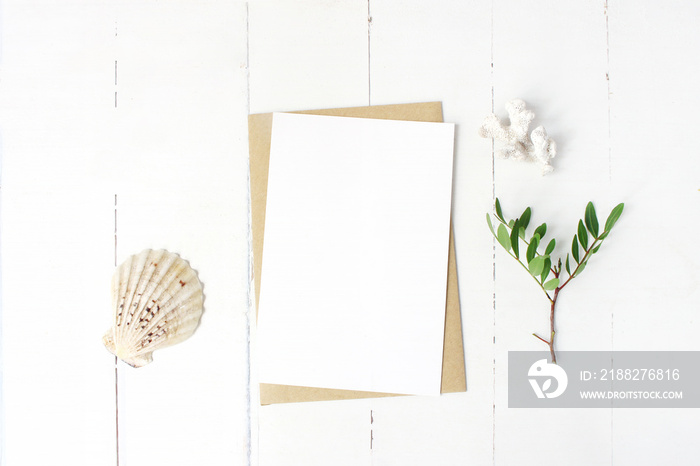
pixel 537 147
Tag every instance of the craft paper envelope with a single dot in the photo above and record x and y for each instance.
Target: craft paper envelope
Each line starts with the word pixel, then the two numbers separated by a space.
pixel 260 126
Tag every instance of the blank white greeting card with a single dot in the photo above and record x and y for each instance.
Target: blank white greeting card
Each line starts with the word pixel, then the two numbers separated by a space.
pixel 354 269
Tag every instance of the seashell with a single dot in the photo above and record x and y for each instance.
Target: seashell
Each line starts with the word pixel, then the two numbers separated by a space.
pixel 157 301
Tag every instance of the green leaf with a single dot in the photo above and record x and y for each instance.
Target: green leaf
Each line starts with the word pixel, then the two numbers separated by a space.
pixel 580 268
pixel 488 221
pixel 550 247
pixel 511 223
pixel 591 220
pixel 525 218
pixel 536 265
pixel 499 212
pixel 532 249
pixel 551 285
pixel 503 237
pixel 521 232
pixel 541 230
pixel 568 269
pixel 582 235
pixel 574 248
pixel 514 240
pixel 614 215
pixel 546 269
pixel 604 235
pixel 596 249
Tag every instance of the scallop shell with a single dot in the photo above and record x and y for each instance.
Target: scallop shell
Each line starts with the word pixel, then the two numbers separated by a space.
pixel 157 302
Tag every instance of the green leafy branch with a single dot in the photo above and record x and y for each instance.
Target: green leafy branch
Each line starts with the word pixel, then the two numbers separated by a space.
pixel 549 275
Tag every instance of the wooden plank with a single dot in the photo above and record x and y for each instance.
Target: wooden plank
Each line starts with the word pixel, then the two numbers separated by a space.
pixel 181 184
pixel 653 281
pixel 424 51
pixel 553 56
pixel 57 234
pixel 306 55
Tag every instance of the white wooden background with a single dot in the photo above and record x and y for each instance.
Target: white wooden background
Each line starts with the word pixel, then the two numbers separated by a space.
pixel 126 119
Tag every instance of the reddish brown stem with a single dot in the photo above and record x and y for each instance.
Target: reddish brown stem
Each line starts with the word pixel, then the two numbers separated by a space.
pixel 551 325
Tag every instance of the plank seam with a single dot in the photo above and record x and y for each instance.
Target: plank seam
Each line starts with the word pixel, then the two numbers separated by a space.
pixel 116 360
pixel 612 311
pixel 369 53
pixel 250 291
pixel 493 248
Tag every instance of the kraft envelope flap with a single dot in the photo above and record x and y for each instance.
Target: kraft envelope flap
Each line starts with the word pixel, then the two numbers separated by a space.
pixel 260 133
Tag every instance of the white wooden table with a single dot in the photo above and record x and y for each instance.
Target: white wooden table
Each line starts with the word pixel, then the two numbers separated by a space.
pixel 124 127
